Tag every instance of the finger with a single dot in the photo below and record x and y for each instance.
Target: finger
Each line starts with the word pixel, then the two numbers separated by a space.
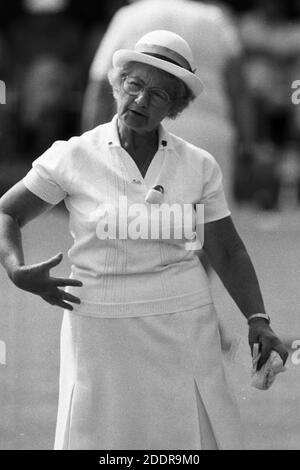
pixel 270 380
pixel 63 304
pixel 255 347
pixel 49 300
pixel 70 298
pixel 255 355
pixel 52 262
pixel 61 282
pixel 62 295
pixel 266 349
pixel 282 351
pixel 253 338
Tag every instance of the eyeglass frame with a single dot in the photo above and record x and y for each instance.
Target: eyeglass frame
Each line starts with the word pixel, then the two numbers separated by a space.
pixel 148 89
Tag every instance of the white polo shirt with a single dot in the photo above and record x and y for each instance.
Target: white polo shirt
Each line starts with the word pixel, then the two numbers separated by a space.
pixel 127 274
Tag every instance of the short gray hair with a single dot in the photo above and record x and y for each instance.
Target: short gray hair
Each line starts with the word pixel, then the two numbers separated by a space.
pixel 181 95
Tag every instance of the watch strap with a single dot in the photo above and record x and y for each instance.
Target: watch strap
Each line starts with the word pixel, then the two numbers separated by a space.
pixel 259 315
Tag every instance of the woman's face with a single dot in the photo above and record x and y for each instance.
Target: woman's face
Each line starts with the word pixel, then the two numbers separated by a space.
pixel 142 113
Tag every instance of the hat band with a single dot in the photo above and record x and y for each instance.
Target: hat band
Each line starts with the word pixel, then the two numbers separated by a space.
pixel 164 53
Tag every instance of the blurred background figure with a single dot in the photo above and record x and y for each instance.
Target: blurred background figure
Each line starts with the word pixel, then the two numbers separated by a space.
pixel 271 37
pixel 46 43
pixel 46 103
pixel 219 118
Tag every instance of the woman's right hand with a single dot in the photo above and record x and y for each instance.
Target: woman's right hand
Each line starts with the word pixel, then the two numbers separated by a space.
pixel 260 332
pixel 36 279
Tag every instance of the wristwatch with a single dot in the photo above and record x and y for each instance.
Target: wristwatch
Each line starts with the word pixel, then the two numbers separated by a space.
pixel 259 315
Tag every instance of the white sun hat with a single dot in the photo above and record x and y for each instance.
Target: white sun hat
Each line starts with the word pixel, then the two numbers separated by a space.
pixel 164 50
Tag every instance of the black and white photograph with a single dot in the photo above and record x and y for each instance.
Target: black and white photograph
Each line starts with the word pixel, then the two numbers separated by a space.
pixel 149 227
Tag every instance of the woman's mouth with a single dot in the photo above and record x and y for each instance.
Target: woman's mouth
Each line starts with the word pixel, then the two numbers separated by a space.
pixel 137 113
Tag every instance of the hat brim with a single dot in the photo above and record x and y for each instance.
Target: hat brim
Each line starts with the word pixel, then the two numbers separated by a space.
pixel 123 56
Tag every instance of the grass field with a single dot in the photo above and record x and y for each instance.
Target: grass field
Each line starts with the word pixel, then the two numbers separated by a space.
pixel 29 329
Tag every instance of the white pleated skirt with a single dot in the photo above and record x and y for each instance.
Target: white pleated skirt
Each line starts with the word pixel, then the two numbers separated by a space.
pixel 145 383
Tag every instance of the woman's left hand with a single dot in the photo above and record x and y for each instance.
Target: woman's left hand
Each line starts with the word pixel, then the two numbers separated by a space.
pixel 261 332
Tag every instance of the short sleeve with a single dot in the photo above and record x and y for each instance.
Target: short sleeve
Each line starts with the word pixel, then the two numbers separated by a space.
pixel 48 178
pixel 213 197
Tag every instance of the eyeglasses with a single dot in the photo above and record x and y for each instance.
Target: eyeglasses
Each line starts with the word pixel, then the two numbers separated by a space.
pixel 133 87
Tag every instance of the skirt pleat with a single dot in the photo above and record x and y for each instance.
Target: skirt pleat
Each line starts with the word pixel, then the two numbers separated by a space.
pixel 150 382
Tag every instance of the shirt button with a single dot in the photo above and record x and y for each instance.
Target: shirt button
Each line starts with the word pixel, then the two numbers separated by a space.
pixel 136 181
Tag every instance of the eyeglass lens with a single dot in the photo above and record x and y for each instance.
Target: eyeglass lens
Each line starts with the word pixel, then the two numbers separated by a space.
pixel 134 87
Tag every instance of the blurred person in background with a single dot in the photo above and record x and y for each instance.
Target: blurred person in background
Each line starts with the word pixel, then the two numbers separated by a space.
pixel 45 27
pixel 141 364
pixel 46 107
pixel 217 122
pixel 95 16
pixel 271 38
pixel 46 44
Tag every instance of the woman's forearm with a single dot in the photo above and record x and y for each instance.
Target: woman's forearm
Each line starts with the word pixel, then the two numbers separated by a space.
pixel 229 258
pixel 239 278
pixel 11 250
pixel 17 207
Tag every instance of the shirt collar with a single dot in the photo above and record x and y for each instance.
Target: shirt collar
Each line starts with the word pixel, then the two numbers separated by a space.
pixel 112 138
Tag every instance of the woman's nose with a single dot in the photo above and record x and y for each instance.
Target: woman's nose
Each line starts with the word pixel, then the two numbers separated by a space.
pixel 143 98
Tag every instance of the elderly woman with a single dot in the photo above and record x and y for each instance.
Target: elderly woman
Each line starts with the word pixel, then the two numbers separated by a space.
pixel 141 361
